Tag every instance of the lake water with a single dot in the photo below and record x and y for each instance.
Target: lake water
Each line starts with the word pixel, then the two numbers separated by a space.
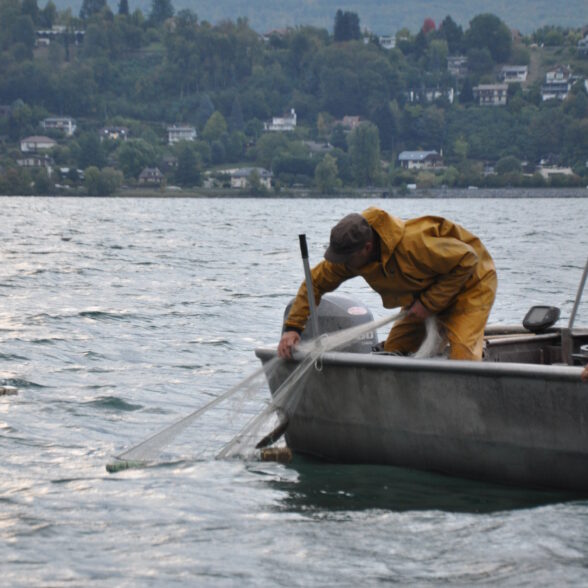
pixel 120 316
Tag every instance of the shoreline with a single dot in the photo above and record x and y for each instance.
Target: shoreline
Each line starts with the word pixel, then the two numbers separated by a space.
pixel 358 193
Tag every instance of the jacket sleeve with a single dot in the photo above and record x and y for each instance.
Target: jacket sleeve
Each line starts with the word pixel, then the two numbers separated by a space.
pixel 452 262
pixel 326 277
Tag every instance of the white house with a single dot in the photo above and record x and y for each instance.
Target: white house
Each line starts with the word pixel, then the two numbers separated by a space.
pixel 36 143
pixel 457 65
pixel 514 73
pixel 177 133
pixel 387 41
pixel 430 95
pixel 491 94
pixel 114 133
pixel 284 123
pixel 547 172
pixel 61 123
pixel 420 159
pixel 558 83
pixel 240 177
pixel 34 160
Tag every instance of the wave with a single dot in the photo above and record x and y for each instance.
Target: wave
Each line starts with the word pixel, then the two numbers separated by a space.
pixel 113 403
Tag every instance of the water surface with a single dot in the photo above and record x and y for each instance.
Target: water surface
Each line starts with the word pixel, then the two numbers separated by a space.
pixel 119 316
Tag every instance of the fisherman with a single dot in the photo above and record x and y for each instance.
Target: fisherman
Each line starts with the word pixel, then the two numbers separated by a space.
pixel 428 265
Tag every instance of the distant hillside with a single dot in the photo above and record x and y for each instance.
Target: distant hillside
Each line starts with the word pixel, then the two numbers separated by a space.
pixel 380 16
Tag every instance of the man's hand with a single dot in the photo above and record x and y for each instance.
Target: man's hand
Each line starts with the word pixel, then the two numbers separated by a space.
pixel 287 343
pixel 419 310
pixel 584 374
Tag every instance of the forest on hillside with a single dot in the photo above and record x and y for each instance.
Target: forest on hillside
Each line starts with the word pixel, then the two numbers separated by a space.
pixel 146 71
pixel 379 16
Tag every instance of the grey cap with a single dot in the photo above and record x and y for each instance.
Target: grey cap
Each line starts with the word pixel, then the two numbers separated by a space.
pixel 349 235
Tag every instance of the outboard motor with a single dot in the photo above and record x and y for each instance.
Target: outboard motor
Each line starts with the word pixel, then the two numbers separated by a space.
pixel 337 312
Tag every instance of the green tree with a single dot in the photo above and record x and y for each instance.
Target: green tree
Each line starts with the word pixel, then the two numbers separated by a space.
pixel 101 182
pixel 364 150
pixel 236 121
pixel 489 32
pixel 91 152
pixel 480 61
pixel 218 152
pixel 326 175
pixel 508 164
pixel 161 10
pixel 43 182
pixel 235 146
pixel 205 110
pixel 23 31
pixel 346 27
pixel 30 8
pixel 123 7
pixel 215 127
pixel 134 155
pixel 254 184
pixel 48 16
pixel 453 34
pixel 189 168
pixel 91 7
pixel 460 148
pixel 269 146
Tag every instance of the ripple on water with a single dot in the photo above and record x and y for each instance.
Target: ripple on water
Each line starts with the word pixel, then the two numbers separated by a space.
pixel 156 327
pixel 113 403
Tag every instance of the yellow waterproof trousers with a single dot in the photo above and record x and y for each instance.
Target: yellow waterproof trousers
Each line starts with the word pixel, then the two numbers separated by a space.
pixel 463 329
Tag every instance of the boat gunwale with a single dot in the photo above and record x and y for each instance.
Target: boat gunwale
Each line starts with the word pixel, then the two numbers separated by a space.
pixel 473 368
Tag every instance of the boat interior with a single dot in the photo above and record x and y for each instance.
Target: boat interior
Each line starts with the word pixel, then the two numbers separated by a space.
pixel 537 341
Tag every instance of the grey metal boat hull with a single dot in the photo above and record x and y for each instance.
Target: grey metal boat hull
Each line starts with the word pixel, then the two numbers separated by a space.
pixel 513 423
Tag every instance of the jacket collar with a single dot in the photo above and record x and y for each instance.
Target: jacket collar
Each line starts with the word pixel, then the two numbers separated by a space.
pixel 390 229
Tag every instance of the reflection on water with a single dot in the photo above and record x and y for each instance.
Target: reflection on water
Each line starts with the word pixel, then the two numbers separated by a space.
pixel 120 316
pixel 324 486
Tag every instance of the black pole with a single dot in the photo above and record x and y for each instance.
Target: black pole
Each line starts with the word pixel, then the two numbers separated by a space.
pixel 309 287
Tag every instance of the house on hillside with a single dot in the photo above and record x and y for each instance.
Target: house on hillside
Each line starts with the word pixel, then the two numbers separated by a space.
pixel 429 95
pixel 558 83
pixel 114 133
pixel 240 178
pixel 151 176
pixel 420 160
pixel 316 148
pixel 491 94
pixel 457 66
pixel 387 41
pixel 285 123
pixel 34 160
pixel 58 32
pixel 177 133
pixel 60 123
pixel 548 172
pixel 513 73
pixel 583 46
pixel 36 143
pixel 348 122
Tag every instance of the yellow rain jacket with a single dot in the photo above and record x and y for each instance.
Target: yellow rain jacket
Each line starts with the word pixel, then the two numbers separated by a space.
pixel 431 259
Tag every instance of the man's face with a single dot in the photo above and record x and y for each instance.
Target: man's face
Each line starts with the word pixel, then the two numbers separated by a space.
pixel 360 258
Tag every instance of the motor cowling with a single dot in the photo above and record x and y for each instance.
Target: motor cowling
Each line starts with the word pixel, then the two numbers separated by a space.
pixel 337 312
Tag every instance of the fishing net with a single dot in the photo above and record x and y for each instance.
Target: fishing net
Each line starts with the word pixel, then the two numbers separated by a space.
pixel 283 402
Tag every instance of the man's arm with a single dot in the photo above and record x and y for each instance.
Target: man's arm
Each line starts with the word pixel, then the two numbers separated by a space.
pixel 326 277
pixel 288 342
pixel 453 262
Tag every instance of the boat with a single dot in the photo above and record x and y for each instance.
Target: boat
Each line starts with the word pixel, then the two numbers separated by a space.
pixel 518 417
